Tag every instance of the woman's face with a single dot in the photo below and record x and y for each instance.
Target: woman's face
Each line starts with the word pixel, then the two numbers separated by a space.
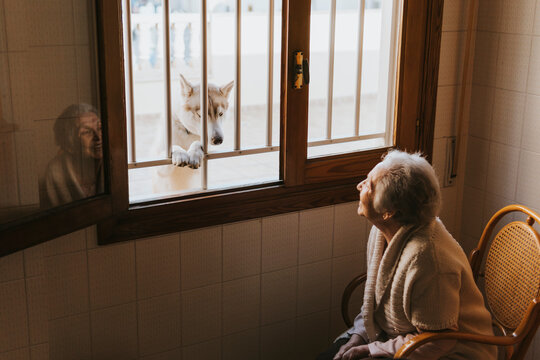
pixel 366 189
pixel 90 135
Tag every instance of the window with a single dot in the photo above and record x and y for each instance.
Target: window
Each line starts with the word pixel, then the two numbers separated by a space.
pixel 302 177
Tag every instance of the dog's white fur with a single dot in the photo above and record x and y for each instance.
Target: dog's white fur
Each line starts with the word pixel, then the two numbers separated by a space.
pixel 187 152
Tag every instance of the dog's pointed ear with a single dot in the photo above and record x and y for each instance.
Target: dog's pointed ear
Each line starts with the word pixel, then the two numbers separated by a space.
pixel 226 89
pixel 185 86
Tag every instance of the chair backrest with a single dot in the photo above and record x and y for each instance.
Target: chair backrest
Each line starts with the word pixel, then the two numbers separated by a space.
pixel 512 271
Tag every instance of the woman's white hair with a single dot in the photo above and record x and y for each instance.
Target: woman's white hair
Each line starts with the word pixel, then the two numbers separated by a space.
pixel 408 187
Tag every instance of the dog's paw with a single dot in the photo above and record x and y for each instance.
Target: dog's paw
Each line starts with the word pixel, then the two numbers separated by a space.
pixel 180 157
pixel 196 154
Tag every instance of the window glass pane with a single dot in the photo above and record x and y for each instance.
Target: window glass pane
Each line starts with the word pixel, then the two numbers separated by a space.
pixel 240 143
pixel 359 104
pixel 51 148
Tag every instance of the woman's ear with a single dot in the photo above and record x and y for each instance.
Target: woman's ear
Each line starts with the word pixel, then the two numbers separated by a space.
pixel 388 215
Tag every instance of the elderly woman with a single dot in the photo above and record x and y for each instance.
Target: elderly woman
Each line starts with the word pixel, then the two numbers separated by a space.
pixel 418 276
pixel 76 172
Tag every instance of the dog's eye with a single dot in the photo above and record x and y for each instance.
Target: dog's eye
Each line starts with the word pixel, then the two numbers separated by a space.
pixel 220 114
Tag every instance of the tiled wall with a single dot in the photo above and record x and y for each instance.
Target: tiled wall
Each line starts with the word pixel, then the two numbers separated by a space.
pixel 268 287
pixel 502 166
pixel 271 286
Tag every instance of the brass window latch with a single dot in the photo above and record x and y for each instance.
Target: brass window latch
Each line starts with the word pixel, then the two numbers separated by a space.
pixel 301 70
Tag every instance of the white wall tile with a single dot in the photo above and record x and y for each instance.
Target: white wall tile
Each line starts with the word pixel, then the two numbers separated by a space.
pixel 114 332
pixel 241 249
pixel 349 228
pixel 69 337
pixel 159 326
pixel 19 354
pixel 278 295
pixel 344 269
pixel 448 209
pixel 507 117
pixel 52 23
pixel 528 191
pixel 502 170
pixel 311 334
pixel 166 355
pixel 337 325
pixel 19 24
pixel 201 314
pixel 536 25
pixel 241 304
pixel 33 260
pixel 531 126
pixel 477 162
pixel 201 256
pixel 26 167
pixel 451 59
pixel 316 233
pixel 314 287
pixel 158 265
pixel 209 350
pixel 533 82
pixel 445 114
pixel 67 283
pixel 20 75
pixel 13 316
pixel 473 205
pixel 82 18
pixel 3 37
pixel 481 111
pixel 492 204
pixel 455 15
pixel 489 12
pixel 36 297
pixel 11 267
pixel 439 158
pixel 52 78
pixel 485 58
pixel 277 341
pixel 39 352
pixel 517 16
pixel 279 242
pixel 243 345
pixel 72 242
pixel 513 62
pixel 111 272
pixel 5 89
pixel 86 76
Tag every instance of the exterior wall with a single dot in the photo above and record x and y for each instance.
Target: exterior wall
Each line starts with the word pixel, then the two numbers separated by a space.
pixel 272 285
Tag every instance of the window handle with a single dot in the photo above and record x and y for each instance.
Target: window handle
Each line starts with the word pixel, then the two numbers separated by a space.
pixel 301 70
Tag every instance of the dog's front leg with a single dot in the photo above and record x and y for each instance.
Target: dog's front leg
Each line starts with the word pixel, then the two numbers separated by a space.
pixel 180 157
pixel 196 154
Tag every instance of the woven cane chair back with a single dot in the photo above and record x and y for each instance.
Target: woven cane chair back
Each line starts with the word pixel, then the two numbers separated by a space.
pixel 512 273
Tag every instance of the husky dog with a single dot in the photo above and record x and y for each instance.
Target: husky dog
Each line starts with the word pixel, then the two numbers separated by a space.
pixel 187 152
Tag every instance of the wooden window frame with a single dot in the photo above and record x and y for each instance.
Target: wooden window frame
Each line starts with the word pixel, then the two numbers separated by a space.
pixel 307 182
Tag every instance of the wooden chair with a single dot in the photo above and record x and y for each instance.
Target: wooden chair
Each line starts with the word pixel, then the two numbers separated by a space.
pixel 512 286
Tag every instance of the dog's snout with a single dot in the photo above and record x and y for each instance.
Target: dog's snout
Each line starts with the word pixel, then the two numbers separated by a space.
pixel 217 140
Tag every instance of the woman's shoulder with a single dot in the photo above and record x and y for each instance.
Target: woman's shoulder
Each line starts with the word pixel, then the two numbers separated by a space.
pixel 434 246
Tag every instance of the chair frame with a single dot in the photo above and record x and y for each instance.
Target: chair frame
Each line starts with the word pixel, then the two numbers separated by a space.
pixel 521 336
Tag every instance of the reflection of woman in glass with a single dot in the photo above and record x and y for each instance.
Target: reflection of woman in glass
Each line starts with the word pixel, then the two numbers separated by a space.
pixel 76 172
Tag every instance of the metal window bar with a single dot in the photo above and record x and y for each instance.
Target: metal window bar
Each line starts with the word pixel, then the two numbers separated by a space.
pixel 390 103
pixel 133 153
pixel 204 96
pixel 270 73
pixel 331 69
pixel 167 62
pixel 238 151
pixel 237 86
pixel 361 15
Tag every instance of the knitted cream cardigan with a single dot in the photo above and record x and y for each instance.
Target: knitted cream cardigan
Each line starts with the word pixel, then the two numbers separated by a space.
pixel 423 281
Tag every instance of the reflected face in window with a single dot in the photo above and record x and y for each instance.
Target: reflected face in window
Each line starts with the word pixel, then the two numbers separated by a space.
pixel 90 135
